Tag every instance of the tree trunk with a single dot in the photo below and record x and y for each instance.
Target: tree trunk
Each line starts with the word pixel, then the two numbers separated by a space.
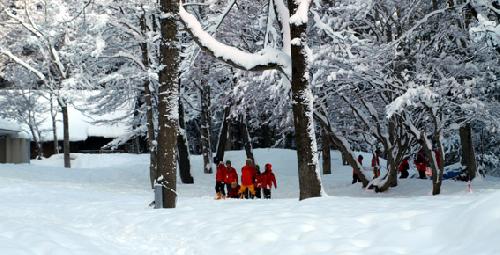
pixel 302 102
pixel 137 108
pixel 392 176
pixel 325 152
pixel 206 148
pixel 247 141
pixel 168 99
pixel 67 159
pixel 148 97
pixel 434 5
pixel 36 139
pixel 223 135
pixel 437 171
pixel 183 149
pixel 53 115
pixel 468 154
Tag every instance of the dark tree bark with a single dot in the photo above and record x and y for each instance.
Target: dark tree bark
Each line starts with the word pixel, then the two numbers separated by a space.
pixel 434 5
pixel 325 152
pixel 206 117
pixel 468 154
pixel 148 97
pixel 223 135
pixel 137 108
pixel 168 97
pixel 64 109
pixel 183 149
pixel 247 141
pixel 36 140
pixel 53 114
pixel 302 102
pixel 437 170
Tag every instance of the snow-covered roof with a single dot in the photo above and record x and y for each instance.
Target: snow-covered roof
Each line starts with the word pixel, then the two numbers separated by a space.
pixel 83 124
pixel 9 126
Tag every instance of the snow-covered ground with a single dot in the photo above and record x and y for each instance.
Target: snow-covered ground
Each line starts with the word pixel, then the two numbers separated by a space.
pixel 101 207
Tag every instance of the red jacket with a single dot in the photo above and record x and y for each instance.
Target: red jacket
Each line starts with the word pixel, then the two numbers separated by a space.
pixel 404 165
pixel 269 179
pixel 233 193
pixel 232 175
pixel 247 175
pixel 259 180
pixel 221 174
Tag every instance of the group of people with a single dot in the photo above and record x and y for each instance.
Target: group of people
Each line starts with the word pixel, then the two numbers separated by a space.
pixel 254 183
pixel 421 163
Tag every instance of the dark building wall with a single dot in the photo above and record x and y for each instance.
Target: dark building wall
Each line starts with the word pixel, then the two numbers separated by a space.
pixel 91 145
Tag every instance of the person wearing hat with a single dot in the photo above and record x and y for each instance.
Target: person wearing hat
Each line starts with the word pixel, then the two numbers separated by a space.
pixel 231 180
pixel 268 179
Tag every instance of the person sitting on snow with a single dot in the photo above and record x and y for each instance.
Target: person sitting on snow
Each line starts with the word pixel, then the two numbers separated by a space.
pixel 403 168
pixel 220 178
pixel 355 177
pixel 247 179
pixel 233 193
pixel 376 164
pixel 231 180
pixel 268 179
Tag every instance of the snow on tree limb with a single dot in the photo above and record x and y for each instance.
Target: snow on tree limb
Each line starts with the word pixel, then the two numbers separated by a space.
pixel 412 97
pixel 283 16
pixel 300 15
pixel 266 59
pixel 22 63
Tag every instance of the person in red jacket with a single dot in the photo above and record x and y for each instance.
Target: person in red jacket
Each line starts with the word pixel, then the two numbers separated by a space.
pixel 421 163
pixel 403 168
pixel 376 164
pixel 268 180
pixel 247 179
pixel 231 180
pixel 355 177
pixel 258 182
pixel 220 179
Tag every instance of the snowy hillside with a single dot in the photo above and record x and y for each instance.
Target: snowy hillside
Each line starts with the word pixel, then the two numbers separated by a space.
pixel 101 207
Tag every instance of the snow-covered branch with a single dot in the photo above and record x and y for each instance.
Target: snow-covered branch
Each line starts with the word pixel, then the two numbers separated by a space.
pixel 22 63
pixel 412 97
pixel 266 59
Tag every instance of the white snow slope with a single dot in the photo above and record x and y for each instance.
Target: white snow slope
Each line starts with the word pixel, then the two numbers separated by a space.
pixel 101 207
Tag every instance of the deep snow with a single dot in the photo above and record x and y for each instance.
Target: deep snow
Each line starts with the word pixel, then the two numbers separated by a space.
pixel 101 207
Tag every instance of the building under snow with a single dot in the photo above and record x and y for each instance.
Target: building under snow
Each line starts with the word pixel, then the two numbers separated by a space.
pixel 14 145
pixel 88 131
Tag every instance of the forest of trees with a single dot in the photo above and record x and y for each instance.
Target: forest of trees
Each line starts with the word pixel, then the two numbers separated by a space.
pixel 207 76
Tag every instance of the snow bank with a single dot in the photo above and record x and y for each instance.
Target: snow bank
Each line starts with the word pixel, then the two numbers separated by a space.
pixel 102 208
